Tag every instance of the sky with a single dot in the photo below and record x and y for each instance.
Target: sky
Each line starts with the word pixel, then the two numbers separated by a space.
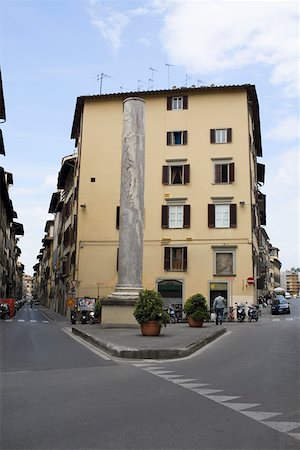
pixel 53 51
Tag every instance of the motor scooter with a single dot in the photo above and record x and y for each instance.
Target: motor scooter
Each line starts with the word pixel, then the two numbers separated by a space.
pixel 172 314
pixel 84 317
pixel 253 313
pixel 240 312
pixel 73 317
pixel 92 319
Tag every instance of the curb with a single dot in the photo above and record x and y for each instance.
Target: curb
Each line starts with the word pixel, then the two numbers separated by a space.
pixel 146 353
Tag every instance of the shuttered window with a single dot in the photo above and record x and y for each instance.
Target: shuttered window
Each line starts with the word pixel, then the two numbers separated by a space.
pixel 176 216
pixel 118 217
pixel 177 174
pixel 222 216
pixel 224 173
pixel 220 135
pixel 176 137
pixel 177 103
pixel 175 259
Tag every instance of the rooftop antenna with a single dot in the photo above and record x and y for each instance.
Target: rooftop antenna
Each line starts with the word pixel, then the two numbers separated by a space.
pixel 140 82
pixel 151 80
pixel 187 77
pixel 100 78
pixel 200 82
pixel 168 65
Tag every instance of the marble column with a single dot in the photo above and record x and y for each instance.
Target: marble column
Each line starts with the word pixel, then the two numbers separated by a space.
pixel 131 224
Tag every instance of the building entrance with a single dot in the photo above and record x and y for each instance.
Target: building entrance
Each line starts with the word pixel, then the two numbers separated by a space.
pixel 216 288
pixel 171 292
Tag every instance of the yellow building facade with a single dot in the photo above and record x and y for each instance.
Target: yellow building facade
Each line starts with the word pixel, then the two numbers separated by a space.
pixel 202 212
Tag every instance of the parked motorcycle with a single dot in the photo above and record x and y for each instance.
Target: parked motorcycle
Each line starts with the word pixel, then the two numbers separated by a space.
pixel 253 313
pixel 240 312
pixel 172 314
pixel 73 317
pixel 84 317
pixel 92 319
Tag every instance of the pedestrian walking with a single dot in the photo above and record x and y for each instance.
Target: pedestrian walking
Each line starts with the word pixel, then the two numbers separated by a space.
pixel 218 307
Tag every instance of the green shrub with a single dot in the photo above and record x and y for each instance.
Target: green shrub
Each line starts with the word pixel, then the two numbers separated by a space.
pixel 196 307
pixel 149 306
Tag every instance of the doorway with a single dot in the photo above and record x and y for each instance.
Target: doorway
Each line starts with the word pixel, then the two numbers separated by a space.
pixel 171 292
pixel 216 288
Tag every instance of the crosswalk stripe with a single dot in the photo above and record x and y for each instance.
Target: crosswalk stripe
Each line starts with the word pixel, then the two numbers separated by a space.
pixel 283 426
pixel 241 406
pixel 207 391
pixel 260 415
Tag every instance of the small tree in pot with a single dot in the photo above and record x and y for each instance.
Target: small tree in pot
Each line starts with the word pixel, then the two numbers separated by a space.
pixel 149 312
pixel 196 310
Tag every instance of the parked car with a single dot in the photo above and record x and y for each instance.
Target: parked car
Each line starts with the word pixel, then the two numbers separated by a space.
pixel 4 311
pixel 287 295
pixel 280 305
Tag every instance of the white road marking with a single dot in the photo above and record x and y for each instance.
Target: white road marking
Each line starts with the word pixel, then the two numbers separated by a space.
pixel 223 398
pixel 161 372
pixel 45 321
pixel 86 344
pixel 241 406
pixel 260 415
pixel 33 320
pixel 21 320
pixel 283 426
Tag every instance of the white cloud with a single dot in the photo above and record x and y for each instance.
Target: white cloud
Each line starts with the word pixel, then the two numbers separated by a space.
pixel 110 24
pixel 287 129
pixel 50 181
pixel 217 36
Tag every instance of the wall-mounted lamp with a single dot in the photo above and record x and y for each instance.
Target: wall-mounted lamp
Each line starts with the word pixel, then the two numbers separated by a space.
pixel 83 205
pixel 242 203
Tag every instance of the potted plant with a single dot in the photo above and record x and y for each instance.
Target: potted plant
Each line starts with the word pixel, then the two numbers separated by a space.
pixel 196 310
pixel 149 312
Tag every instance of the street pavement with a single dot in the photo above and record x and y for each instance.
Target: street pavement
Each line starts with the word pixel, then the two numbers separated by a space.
pixel 175 340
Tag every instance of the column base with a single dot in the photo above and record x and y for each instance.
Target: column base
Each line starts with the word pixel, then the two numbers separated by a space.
pixel 118 310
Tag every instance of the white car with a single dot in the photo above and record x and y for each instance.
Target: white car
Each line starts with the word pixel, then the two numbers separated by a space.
pixel 288 295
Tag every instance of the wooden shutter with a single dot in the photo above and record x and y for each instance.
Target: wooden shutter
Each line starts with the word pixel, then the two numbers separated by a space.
pixel 233 215
pixel 165 216
pixel 165 175
pixel 167 258
pixel 118 217
pixel 186 173
pixel 212 136
pixel 218 173
pixel 186 216
pixel 169 103
pixel 211 216
pixel 231 172
pixel 117 259
pixel 184 262
pixel 169 137
pixel 185 102
pixel 184 137
pixel 229 134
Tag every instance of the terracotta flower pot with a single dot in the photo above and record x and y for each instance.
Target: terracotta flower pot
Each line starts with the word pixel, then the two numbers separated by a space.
pixel 151 328
pixel 194 323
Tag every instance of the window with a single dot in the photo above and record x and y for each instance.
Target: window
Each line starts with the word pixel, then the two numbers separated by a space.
pixel 223 172
pixel 222 216
pixel 176 216
pixel 224 261
pixel 175 258
pixel 177 103
pixel 176 174
pixel 220 135
pixel 176 137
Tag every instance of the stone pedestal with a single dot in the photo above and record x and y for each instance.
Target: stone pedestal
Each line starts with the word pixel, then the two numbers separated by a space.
pixel 118 307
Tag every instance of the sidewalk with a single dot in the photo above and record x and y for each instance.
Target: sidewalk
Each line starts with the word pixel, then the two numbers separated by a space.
pixel 175 340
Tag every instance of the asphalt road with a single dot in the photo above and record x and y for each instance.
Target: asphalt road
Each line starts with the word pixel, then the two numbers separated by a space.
pixel 57 394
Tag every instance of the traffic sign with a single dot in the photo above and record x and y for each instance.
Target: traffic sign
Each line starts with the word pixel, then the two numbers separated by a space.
pixel 250 280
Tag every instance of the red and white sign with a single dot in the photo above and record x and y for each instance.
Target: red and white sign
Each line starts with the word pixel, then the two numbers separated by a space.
pixel 250 280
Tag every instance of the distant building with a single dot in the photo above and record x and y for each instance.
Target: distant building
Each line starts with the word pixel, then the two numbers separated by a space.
pixel 11 270
pixel 291 281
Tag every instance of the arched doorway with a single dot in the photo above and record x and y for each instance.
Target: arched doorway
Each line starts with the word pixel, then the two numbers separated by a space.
pixel 171 291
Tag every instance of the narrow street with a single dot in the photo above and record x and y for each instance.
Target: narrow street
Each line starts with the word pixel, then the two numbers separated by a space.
pixel 239 392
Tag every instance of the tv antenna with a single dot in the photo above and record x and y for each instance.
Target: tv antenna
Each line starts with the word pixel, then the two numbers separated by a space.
pixel 201 82
pixel 168 66
pixel 187 77
pixel 151 80
pixel 140 82
pixel 100 78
